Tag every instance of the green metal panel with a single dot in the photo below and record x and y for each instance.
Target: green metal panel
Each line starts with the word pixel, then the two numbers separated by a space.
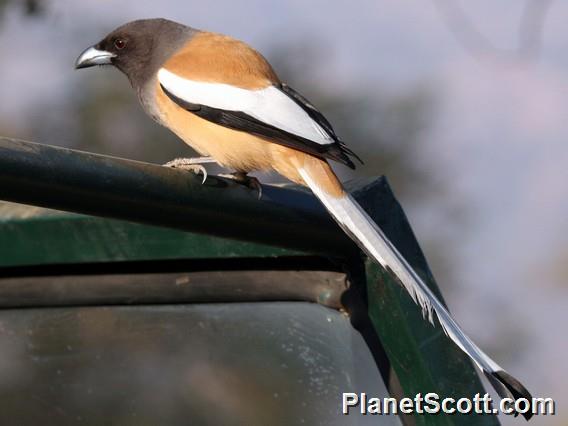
pixel 34 236
pixel 422 357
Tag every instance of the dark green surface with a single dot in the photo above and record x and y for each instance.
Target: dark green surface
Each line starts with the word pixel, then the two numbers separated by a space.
pixel 422 357
pixel 59 238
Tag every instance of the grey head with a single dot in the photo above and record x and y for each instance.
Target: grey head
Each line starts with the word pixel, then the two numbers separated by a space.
pixel 138 48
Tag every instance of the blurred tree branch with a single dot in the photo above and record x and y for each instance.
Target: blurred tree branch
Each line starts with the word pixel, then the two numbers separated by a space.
pixel 32 8
pixel 531 28
pixel 477 45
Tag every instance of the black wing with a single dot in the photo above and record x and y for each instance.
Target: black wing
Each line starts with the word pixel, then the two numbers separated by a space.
pixel 241 121
pixel 318 117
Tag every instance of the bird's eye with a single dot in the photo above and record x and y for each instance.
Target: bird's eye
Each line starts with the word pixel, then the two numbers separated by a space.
pixel 119 43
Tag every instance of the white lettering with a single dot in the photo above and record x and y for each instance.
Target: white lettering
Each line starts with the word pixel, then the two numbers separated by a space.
pixel 349 400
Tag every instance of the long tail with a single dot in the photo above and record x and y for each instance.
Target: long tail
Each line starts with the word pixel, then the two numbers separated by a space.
pixel 370 238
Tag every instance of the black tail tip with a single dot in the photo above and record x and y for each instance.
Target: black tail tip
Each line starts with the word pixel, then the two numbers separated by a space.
pixel 509 387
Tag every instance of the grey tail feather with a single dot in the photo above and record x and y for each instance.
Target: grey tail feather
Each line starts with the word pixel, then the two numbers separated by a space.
pixel 371 239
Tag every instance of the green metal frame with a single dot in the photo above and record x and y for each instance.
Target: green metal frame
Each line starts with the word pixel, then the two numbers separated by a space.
pixel 50 237
pixel 423 359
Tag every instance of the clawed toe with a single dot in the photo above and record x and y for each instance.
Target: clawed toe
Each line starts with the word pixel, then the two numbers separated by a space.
pixel 254 183
pixel 188 164
pixel 248 181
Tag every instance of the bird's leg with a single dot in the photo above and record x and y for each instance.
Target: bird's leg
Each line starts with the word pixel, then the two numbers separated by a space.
pixel 246 180
pixel 191 164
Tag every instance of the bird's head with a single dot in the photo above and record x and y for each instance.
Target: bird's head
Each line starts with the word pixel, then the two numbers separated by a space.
pixel 137 48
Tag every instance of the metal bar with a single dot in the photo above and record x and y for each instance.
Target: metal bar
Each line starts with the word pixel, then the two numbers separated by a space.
pixel 81 182
pixel 323 287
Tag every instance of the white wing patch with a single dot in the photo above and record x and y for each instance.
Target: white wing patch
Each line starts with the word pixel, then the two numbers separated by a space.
pixel 269 105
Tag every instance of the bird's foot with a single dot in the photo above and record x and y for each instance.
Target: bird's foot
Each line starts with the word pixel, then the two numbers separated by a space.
pixel 191 164
pixel 246 180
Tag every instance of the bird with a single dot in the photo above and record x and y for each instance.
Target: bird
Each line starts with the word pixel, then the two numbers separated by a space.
pixel 225 100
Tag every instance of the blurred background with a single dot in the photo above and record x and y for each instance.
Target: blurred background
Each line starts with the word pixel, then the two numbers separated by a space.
pixel 462 105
